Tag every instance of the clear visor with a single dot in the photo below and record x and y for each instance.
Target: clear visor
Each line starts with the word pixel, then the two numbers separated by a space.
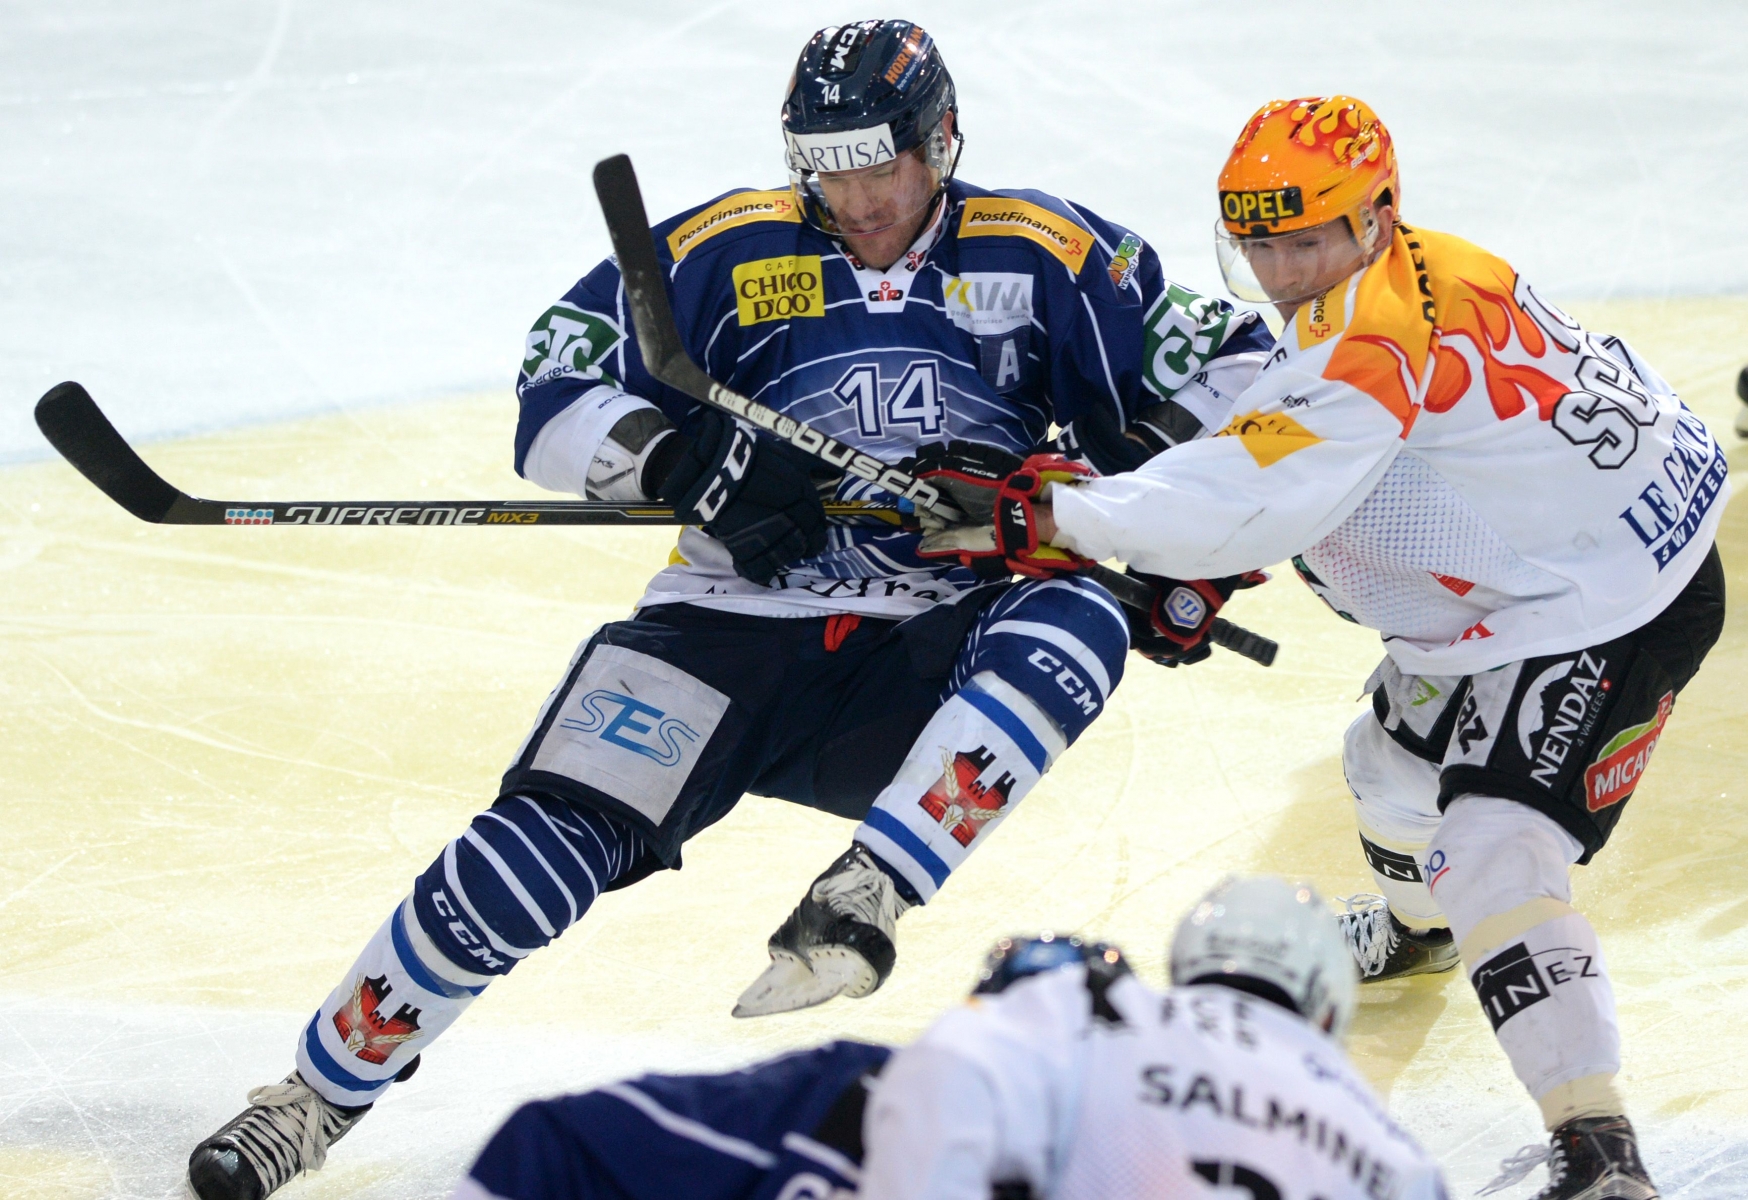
pixel 937 155
pixel 1291 268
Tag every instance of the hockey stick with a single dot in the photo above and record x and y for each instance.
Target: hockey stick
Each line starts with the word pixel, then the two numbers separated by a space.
pixel 74 425
pixel 665 356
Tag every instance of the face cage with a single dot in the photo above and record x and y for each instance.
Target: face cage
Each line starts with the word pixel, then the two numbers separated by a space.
pixel 817 213
pixel 1232 251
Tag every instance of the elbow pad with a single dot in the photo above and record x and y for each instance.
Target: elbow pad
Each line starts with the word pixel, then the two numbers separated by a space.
pixel 606 445
pixel 634 458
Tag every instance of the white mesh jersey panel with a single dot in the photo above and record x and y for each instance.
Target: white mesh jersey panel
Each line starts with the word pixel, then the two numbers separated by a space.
pixel 1415 560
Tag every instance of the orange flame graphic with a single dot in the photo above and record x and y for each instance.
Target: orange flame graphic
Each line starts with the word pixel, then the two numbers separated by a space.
pixel 1488 320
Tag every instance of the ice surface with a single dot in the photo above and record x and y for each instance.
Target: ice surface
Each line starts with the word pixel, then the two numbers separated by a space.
pixel 214 213
pixel 226 751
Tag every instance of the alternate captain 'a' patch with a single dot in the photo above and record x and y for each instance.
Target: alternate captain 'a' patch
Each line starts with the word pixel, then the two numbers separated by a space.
pixel 1000 216
pixel 742 208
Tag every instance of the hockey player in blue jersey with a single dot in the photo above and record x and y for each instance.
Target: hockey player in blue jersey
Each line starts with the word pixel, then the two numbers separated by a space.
pixel 787 1128
pixel 1063 1076
pixel 907 314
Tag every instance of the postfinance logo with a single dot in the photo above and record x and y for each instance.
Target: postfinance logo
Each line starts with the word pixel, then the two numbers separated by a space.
pixel 775 289
pixel 999 216
pixel 742 208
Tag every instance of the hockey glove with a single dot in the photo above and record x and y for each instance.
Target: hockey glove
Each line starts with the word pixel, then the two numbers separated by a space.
pixel 1175 631
pixel 1097 435
pixel 756 498
pixel 1010 543
pixel 970 473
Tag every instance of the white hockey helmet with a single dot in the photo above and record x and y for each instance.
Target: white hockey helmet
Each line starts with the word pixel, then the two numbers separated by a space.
pixel 1280 934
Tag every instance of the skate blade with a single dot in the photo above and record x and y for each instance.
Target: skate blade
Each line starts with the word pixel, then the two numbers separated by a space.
pixel 789 984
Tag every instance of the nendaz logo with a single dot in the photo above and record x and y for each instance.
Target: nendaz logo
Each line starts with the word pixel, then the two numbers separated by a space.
pixel 626 729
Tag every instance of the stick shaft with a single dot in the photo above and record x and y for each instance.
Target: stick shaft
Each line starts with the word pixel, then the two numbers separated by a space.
pixel 75 426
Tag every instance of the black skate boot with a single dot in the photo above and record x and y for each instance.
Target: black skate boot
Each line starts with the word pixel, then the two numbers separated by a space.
pixel 1385 948
pixel 1589 1158
pixel 285 1131
pixel 838 941
pixel 1742 413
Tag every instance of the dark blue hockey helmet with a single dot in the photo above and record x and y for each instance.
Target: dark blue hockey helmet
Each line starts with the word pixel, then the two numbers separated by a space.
pixel 861 95
pixel 1014 959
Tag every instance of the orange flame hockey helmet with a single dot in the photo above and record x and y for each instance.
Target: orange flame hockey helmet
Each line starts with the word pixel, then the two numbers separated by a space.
pixel 1299 163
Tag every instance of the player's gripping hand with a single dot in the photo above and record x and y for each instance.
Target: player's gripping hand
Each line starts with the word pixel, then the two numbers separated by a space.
pixel 1008 501
pixel 1175 630
pixel 970 473
pixel 756 498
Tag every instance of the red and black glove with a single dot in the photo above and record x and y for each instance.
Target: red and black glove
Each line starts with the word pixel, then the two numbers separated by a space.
pixel 998 493
pixel 1016 520
pixel 1176 629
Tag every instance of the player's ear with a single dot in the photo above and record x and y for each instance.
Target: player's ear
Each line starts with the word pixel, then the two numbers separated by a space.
pixel 1384 209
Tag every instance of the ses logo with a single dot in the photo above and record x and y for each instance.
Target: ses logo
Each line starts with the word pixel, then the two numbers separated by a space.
pixel 632 725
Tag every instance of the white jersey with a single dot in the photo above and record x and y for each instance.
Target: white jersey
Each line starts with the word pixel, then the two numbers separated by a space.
pixel 1088 1092
pixel 1450 460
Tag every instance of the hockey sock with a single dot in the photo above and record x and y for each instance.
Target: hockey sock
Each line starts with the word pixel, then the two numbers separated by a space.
pixel 1035 670
pixel 1396 870
pixel 1396 805
pixel 973 762
pixel 1500 871
pixel 524 871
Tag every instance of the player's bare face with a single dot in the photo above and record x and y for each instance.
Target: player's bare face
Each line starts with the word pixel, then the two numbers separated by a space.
pixel 881 209
pixel 1293 267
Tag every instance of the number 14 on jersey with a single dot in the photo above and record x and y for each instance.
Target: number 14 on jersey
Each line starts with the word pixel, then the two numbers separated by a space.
pixel 914 400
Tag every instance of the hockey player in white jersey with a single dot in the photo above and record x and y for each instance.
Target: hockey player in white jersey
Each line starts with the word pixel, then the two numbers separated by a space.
pixel 1063 1078
pixel 1083 1084
pixel 1524 510
pixel 907 314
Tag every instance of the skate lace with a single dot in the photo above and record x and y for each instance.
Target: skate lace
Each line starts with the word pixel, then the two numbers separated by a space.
pixel 1370 932
pixel 862 890
pixel 291 1113
pixel 1513 1170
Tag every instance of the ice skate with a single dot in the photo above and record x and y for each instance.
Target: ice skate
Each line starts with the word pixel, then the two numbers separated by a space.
pixel 838 941
pixel 1589 1158
pixel 285 1131
pixel 1385 948
pixel 1742 413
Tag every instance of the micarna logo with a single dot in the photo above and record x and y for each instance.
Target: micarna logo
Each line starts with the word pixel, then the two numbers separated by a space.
pixel 630 724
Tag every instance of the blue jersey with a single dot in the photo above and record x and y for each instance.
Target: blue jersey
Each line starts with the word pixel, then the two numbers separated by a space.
pixel 1012 311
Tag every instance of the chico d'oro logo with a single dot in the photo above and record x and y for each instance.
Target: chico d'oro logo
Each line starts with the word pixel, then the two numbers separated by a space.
pixel 775 289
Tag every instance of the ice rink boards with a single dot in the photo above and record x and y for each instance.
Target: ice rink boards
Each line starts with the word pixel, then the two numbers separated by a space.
pixel 224 753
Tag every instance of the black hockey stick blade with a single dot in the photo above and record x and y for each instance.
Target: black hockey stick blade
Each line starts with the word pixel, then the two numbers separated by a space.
pixel 74 425
pixel 70 419
pixel 658 335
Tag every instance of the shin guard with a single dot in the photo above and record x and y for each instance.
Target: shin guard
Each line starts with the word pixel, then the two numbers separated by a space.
pixel 521 874
pixel 973 762
pixel 1500 873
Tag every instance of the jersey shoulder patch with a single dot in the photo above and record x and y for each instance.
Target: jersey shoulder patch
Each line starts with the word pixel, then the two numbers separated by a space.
pixel 1010 216
pixel 733 211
